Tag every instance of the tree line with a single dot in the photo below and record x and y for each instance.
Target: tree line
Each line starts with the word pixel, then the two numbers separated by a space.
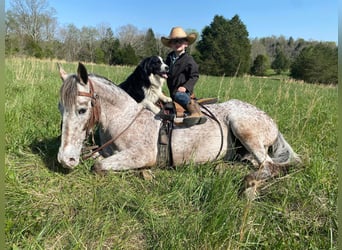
pixel 223 47
pixel 311 61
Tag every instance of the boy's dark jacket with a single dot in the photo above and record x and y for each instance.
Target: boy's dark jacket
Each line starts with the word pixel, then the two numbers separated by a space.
pixel 183 73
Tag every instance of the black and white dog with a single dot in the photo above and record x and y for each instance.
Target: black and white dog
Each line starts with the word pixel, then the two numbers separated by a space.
pixel 146 81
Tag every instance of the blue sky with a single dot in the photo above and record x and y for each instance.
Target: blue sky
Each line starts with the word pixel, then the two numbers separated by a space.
pixel 308 19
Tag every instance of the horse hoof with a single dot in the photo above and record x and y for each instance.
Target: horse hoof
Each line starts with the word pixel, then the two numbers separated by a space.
pixel 147 174
pixel 251 193
pixel 97 170
pixel 249 181
pixel 249 187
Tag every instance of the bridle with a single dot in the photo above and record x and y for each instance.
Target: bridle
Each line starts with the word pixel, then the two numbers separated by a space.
pixel 95 108
pixel 94 120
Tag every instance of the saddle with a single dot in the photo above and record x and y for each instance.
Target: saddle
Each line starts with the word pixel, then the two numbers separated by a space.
pixel 172 114
pixel 172 110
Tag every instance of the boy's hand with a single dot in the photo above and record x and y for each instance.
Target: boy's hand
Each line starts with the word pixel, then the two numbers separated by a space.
pixel 182 89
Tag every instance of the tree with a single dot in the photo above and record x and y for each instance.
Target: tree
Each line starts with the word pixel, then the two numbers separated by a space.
pixel 30 22
pixel 281 62
pixel 110 47
pixel 32 16
pixel 70 37
pixel 128 56
pixel 33 49
pixel 88 39
pixel 130 35
pixel 13 36
pixel 316 64
pixel 260 65
pixel 257 48
pixel 150 44
pixel 224 48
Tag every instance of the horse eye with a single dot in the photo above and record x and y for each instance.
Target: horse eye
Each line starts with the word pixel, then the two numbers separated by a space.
pixel 82 111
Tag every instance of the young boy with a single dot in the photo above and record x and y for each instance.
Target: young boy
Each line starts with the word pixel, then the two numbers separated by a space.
pixel 183 74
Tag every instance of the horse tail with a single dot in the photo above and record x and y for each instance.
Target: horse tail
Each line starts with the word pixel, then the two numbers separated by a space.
pixel 283 153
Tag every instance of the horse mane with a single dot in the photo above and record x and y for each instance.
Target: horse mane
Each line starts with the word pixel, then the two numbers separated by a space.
pixel 68 91
pixel 102 78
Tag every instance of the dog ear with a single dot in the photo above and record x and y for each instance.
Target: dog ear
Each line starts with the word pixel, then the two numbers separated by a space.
pixel 145 64
pixel 82 73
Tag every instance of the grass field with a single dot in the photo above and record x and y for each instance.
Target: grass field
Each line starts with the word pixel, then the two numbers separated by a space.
pixel 190 207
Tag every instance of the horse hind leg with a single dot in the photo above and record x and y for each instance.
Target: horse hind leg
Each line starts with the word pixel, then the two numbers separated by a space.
pixel 257 146
pixel 236 151
pixel 266 168
pixel 283 157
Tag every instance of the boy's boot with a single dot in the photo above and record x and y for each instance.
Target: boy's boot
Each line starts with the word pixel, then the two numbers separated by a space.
pixel 196 116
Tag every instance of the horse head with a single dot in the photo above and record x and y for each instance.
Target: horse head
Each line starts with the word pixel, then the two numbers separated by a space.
pixel 76 104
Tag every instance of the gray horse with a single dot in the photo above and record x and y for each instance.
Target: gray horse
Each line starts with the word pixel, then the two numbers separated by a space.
pixel 86 100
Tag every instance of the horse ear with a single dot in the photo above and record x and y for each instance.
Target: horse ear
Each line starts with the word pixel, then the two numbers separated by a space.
pixel 82 73
pixel 62 73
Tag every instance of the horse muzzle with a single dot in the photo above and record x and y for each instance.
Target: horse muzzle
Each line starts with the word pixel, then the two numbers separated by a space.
pixel 68 159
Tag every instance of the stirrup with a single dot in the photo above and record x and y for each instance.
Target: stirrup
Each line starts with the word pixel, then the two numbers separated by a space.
pixel 166 117
pixel 191 121
pixel 202 120
pixel 167 112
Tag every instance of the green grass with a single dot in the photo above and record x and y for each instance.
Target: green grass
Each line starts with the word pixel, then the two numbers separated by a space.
pixel 190 207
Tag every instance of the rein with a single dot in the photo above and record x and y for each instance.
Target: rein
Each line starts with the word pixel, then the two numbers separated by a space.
pixel 212 116
pixel 87 156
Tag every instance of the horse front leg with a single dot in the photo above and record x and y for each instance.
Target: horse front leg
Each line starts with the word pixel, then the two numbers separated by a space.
pixel 125 160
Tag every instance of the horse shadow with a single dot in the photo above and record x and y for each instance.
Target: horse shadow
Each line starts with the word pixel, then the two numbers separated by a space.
pixel 47 149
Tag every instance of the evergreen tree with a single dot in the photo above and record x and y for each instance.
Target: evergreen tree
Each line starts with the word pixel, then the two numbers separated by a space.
pixel 110 47
pixel 316 64
pixel 128 56
pixel 281 62
pixel 150 44
pixel 224 48
pixel 241 48
pixel 99 56
pixel 260 65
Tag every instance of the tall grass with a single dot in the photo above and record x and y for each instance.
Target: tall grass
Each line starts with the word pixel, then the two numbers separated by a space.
pixel 190 207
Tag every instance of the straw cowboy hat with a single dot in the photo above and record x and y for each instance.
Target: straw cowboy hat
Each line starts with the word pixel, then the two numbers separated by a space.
pixel 178 33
